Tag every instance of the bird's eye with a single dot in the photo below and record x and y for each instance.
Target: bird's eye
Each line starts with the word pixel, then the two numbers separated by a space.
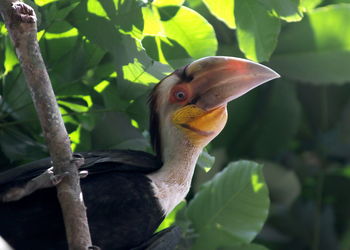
pixel 180 95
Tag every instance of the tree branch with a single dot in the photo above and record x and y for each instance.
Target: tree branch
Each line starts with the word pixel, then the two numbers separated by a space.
pixel 20 21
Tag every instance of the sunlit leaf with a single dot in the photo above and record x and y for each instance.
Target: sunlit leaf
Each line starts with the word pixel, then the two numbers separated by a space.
pixel 190 30
pixel 11 59
pixel 152 23
pixel 161 3
pixel 222 10
pixel 135 72
pixel 76 103
pixel 170 219
pixel 95 7
pixel 231 208
pixel 43 2
pixel 75 138
pixel 307 5
pixel 257 31
pixel 101 86
pixel 317 49
pixel 70 33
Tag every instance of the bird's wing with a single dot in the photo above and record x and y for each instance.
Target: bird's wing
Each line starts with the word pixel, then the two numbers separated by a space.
pixel 95 163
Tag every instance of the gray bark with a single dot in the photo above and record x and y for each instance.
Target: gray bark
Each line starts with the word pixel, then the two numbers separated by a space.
pixel 20 21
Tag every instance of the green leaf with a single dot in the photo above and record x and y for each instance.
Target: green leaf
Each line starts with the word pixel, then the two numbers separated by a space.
pixel 222 10
pixel 170 219
pixel 11 59
pixel 317 50
pixel 152 23
pixel 95 7
pixel 287 10
pixel 43 2
pixel 280 121
pixel 257 30
pixel 135 72
pixel 162 3
pixel 18 146
pixel 231 208
pixel 307 5
pixel 245 247
pixel 190 30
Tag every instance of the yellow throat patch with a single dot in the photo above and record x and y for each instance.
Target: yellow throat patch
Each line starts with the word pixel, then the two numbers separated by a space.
pixel 201 126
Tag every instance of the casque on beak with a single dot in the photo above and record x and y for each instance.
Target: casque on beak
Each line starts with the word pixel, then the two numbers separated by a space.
pixel 218 80
pixel 211 83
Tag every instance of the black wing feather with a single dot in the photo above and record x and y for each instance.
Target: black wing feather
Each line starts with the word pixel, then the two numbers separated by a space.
pixel 95 163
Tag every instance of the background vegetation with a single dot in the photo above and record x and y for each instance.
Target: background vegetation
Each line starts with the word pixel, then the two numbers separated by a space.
pixel 104 57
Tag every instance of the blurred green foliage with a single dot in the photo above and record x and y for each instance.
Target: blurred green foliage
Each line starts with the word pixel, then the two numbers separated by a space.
pixel 103 58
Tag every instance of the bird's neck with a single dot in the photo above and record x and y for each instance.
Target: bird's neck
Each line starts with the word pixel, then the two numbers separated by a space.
pixel 172 181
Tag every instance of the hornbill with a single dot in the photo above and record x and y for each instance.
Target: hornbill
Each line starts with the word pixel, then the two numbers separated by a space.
pixel 128 193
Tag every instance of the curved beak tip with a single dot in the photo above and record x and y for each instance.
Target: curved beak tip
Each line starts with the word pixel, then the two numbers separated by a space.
pixel 223 79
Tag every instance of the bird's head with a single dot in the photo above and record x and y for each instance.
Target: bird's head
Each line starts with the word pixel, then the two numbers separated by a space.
pixel 189 106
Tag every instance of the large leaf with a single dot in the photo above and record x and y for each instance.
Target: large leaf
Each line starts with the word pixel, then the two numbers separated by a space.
pixel 257 30
pixel 222 10
pixel 190 30
pixel 231 208
pixel 317 49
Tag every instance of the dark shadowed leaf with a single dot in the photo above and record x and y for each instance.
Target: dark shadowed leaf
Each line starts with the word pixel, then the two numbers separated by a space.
pixel 280 120
pixel 245 247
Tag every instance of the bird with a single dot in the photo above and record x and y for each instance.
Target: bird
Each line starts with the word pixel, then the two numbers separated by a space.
pixel 128 193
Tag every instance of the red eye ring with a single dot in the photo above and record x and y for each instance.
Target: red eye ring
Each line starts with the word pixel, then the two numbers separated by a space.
pixel 180 94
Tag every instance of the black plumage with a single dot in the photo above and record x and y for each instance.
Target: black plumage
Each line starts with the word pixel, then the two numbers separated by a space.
pixel 122 211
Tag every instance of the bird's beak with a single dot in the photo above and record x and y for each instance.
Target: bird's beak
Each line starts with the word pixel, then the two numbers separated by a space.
pixel 218 80
pixel 213 82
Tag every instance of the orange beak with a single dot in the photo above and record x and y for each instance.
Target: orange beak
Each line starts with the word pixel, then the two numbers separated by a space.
pixel 218 80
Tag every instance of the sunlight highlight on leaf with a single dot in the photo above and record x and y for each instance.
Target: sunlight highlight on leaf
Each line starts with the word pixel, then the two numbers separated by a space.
pixel 95 7
pixel 44 2
pixel 134 123
pixel 152 26
pixel 170 219
pixel 69 33
pixel 135 72
pixel 75 138
pixel 11 59
pixel 161 3
pixel 192 31
pixel 3 29
pixel 222 10
pixel 257 185
pixel 101 86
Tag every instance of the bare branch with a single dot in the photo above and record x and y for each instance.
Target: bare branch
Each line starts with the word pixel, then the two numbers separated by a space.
pixel 20 21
